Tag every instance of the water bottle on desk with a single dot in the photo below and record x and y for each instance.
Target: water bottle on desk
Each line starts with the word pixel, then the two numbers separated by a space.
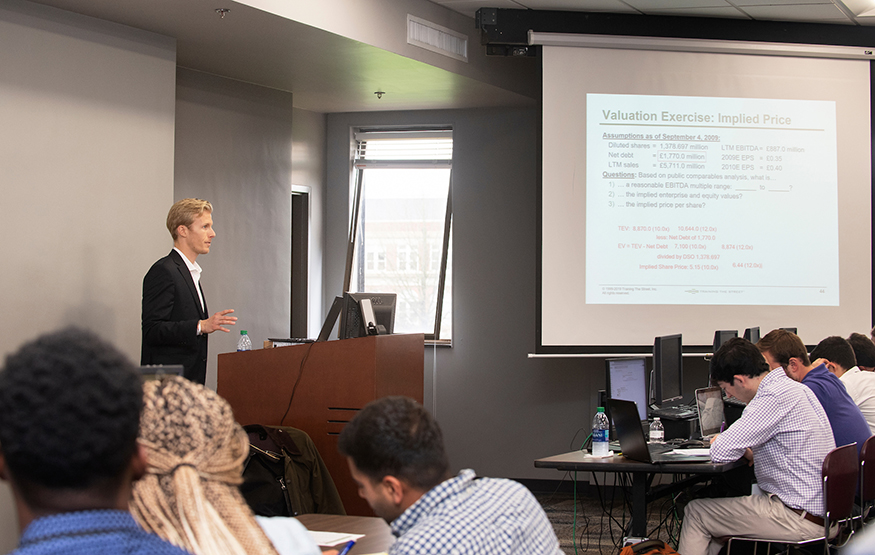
pixel 600 427
pixel 657 432
pixel 244 344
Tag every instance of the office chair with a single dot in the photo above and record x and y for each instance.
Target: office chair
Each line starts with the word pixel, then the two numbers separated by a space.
pixel 840 473
pixel 867 478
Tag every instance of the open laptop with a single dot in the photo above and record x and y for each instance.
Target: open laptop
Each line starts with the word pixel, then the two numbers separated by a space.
pixel 709 404
pixel 632 443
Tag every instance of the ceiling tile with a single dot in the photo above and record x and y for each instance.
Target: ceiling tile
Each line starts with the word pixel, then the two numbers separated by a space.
pixel 724 13
pixel 649 6
pixel 615 6
pixel 823 13
pixel 782 3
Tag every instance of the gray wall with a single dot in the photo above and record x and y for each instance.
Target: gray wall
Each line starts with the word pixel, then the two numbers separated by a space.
pixel 308 170
pixel 86 151
pixel 499 409
pixel 234 148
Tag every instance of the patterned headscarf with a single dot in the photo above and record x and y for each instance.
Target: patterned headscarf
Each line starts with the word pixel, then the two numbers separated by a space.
pixel 196 452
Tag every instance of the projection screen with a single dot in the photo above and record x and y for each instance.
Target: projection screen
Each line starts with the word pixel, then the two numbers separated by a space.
pixel 686 192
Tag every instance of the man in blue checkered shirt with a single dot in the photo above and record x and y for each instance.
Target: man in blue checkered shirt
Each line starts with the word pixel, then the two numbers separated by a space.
pixel 785 434
pixel 395 452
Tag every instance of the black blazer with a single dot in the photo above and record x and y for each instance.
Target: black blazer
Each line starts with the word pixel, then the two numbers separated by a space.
pixel 171 311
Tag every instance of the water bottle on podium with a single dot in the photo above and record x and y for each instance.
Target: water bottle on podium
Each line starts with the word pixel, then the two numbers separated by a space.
pixel 244 343
pixel 600 427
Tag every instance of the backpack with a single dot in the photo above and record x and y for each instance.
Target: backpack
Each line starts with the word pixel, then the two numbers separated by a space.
pixel 284 474
pixel 649 547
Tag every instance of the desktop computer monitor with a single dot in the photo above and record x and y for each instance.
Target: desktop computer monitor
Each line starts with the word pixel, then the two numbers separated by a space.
pixel 721 337
pixel 752 334
pixel 627 380
pixel 354 314
pixel 668 375
pixel 791 330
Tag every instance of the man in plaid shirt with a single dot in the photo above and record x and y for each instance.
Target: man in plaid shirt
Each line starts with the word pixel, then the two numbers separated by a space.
pixel 396 455
pixel 785 433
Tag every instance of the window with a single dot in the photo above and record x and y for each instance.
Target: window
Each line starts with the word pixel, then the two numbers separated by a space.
pixel 400 237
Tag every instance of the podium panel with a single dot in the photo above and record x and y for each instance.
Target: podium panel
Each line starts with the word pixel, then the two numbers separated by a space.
pixel 319 387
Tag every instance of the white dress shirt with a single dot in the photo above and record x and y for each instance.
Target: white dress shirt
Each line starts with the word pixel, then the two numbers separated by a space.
pixel 861 388
pixel 195 270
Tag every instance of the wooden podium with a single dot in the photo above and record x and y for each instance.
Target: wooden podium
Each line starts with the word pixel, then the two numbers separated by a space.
pixel 330 381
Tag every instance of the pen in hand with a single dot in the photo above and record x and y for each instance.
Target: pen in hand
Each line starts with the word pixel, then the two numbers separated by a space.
pixel 346 549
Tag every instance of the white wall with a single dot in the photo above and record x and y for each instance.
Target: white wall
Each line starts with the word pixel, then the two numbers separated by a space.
pixel 86 151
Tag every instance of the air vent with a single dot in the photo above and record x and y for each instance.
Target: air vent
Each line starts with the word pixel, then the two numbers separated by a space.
pixel 436 38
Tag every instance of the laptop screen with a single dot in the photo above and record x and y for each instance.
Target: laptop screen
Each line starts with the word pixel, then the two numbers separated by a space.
pixel 709 402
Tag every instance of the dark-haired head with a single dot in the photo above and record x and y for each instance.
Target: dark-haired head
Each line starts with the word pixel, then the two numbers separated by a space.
pixel 69 413
pixel 836 350
pixel 864 350
pixel 396 436
pixel 737 357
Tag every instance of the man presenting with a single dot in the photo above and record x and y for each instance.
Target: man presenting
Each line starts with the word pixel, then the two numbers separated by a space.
pixel 175 320
pixel 395 452
pixel 785 432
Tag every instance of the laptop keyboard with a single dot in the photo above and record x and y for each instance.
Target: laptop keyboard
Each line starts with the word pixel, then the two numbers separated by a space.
pixel 677 413
pixel 659 448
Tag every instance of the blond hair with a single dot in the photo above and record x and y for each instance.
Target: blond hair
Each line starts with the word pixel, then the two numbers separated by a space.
pixel 196 452
pixel 184 212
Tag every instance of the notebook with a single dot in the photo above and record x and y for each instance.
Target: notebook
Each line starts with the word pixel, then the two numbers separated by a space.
pixel 631 436
pixel 709 404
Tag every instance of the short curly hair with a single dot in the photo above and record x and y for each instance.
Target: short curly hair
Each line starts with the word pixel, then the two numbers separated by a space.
pixel 70 408
pixel 737 357
pixel 396 436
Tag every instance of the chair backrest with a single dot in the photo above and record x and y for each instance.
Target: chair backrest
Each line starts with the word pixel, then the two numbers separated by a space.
pixel 841 471
pixel 867 470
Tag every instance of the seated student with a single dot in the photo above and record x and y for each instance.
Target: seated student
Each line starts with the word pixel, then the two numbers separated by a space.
pixel 395 452
pixel 783 349
pixel 190 495
pixel 838 356
pixel 864 351
pixel 785 433
pixel 69 412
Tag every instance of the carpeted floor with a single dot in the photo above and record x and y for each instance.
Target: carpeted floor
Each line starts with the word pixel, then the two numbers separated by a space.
pixel 584 528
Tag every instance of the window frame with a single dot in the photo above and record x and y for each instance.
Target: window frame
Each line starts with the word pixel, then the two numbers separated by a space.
pixel 358 167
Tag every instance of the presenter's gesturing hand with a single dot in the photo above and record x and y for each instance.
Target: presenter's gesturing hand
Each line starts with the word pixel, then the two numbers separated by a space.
pixel 217 321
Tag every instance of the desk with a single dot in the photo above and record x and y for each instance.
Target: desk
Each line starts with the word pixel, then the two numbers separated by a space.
pixel 642 476
pixel 378 535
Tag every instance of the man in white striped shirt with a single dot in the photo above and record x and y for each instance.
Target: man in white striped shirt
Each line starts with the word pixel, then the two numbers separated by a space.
pixel 785 433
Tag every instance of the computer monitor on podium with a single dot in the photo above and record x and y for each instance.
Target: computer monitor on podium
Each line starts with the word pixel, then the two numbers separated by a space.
pixel 367 314
pixel 626 379
pixel 668 374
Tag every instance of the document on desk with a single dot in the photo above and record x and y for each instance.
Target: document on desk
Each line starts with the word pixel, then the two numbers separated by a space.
pixel 704 452
pixel 331 539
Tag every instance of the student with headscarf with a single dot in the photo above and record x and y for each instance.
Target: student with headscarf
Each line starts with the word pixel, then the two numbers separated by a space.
pixel 190 496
